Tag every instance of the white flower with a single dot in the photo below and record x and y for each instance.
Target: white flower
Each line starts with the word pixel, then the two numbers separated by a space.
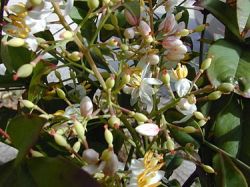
pixel 187 108
pixel 148 129
pixel 144 28
pixel 9 99
pixel 146 171
pixel 142 88
pixel 182 87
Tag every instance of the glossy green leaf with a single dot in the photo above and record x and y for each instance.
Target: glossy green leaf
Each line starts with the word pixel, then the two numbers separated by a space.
pixel 228 128
pixel 243 13
pixel 24 132
pixel 228 16
pixel 172 162
pixel 60 172
pixel 183 138
pixel 14 57
pixel 228 175
pixel 231 63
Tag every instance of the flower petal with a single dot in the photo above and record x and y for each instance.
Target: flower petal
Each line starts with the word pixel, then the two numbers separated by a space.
pixel 148 129
pixel 152 81
pixel 158 176
pixel 182 86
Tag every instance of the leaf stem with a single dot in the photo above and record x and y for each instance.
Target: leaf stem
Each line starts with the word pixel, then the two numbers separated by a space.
pixel 215 148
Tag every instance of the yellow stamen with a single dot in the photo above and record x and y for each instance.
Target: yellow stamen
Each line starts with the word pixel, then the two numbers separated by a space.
pixel 181 71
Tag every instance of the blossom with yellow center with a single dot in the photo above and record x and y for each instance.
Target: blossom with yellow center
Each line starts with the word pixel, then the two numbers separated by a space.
pixel 141 87
pixel 180 72
pixel 182 85
pixel 146 171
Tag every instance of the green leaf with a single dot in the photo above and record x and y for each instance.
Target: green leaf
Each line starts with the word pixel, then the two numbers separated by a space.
pixel 223 12
pixel 228 175
pixel 36 87
pixel 172 162
pixel 60 172
pixel 243 13
pixel 24 132
pixel 183 138
pixel 231 63
pixel 228 128
pixel 14 57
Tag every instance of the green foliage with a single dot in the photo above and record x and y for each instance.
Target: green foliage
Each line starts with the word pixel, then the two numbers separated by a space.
pixel 231 63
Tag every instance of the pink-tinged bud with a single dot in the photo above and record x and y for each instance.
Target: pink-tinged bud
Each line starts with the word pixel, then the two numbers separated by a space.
pixel 131 18
pixel 23 71
pixel 144 28
pixel 111 165
pixel 129 33
pixel 171 56
pixel 181 49
pixel 170 42
pixel 90 156
pixel 86 107
pixel 114 122
pixel 165 77
pixel 168 25
pixel 148 129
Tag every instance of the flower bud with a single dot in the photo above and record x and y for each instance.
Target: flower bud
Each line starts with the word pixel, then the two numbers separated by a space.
pixel 149 39
pixel 110 82
pixel 206 64
pixel 200 28
pixel 61 140
pixel 15 42
pixel 114 122
pixel 144 28
pixel 168 24
pixel 108 27
pixel 90 156
pixel 170 144
pixel 207 168
pixel 114 19
pixel 165 77
pixel 86 106
pixel 112 42
pixel 183 32
pixel 105 155
pixel 60 93
pixel 153 59
pixel 126 78
pixel 93 4
pixel 66 35
pixel 226 87
pixel 111 165
pixel 80 131
pixel 202 122
pixel 214 95
pixel 36 153
pixel 199 115
pixel 106 2
pixel 75 56
pixel 170 42
pixel 148 129
pixel 27 104
pixel 178 15
pixel 76 147
pixel 189 129
pixel 129 33
pixel 124 47
pixel 23 71
pixel 140 117
pixel 131 18
pixel 36 2
pixel 58 75
pixel 108 136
